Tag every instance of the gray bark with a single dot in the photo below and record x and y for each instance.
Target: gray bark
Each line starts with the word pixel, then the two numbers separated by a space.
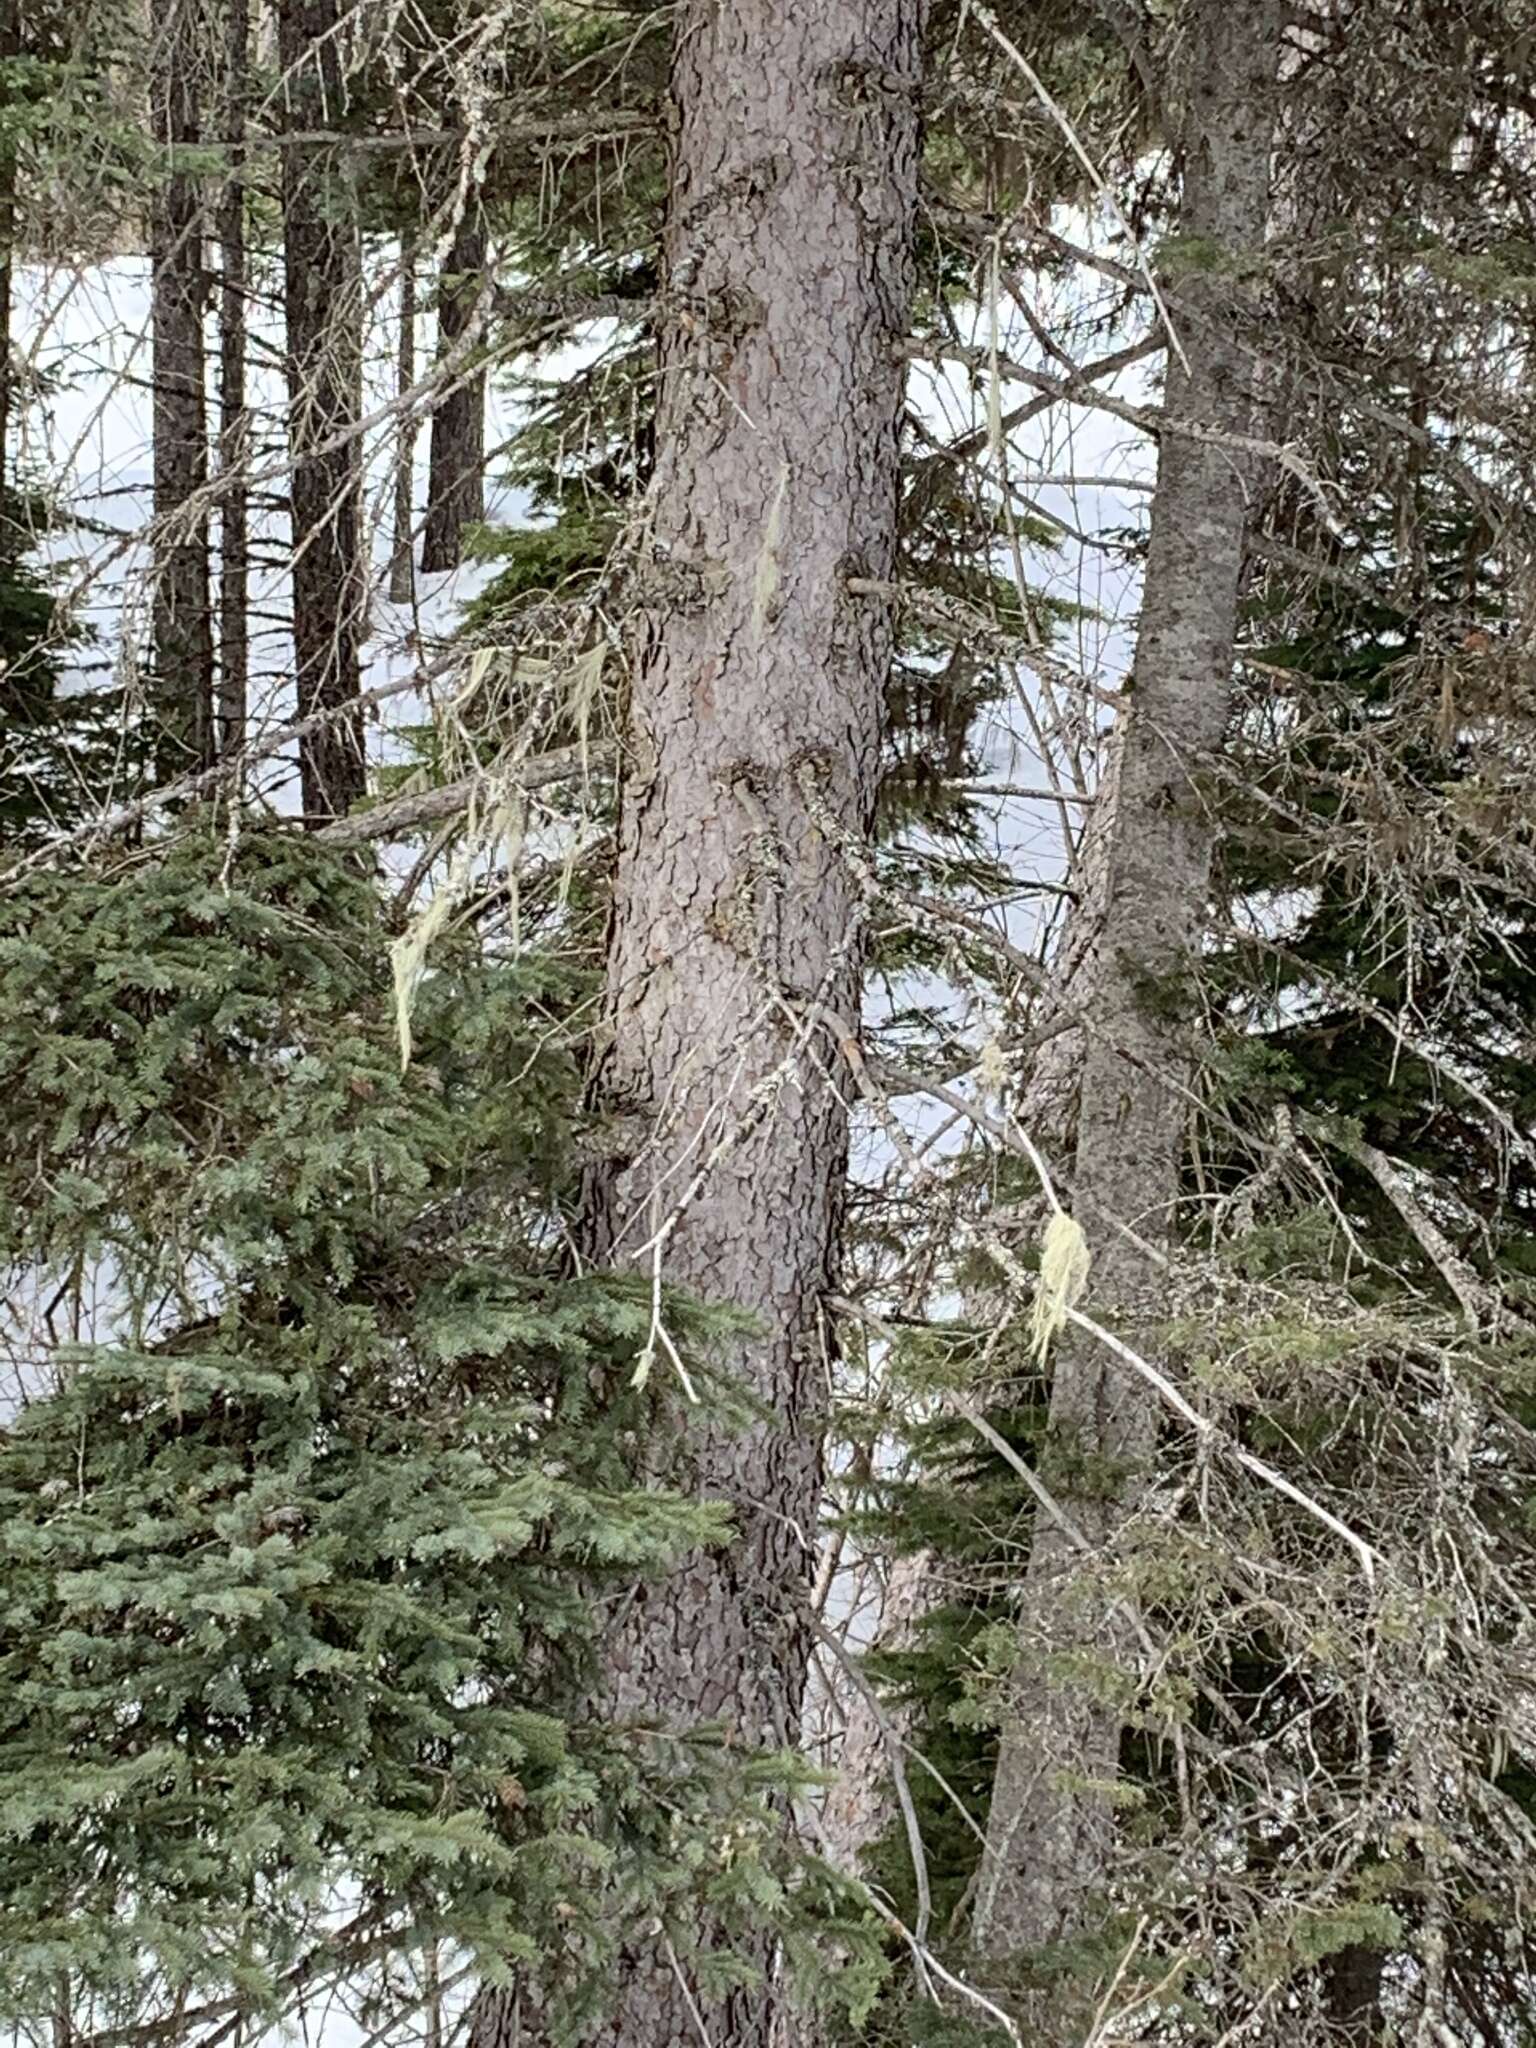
pixel 181 693
pixel 456 462
pixel 861 1805
pixel 234 520
pixel 1050 1832
pixel 758 680
pixel 322 305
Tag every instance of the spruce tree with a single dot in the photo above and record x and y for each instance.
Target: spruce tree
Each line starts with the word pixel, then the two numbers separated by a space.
pixel 312 1520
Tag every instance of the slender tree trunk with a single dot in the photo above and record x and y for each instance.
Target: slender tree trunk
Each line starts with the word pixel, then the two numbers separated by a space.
pixel 234 428
pixel 10 47
pixel 1050 1832
pixel 861 1805
pixel 756 706
pixel 456 476
pixel 182 676
pixel 322 303
pixel 402 577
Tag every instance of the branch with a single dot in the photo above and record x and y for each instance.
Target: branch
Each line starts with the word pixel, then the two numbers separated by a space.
pixel 904 1799
pixel 1210 1432
pixel 429 806
pixel 1477 1303
pixel 534 132
pixel 1080 390
pixel 228 770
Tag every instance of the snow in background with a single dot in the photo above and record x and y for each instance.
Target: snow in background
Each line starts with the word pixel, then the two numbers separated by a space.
pixel 86 337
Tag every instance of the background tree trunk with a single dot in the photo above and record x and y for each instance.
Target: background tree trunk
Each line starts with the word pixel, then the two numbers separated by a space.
pixel 1051 1827
pixel 181 697
pixel 234 524
pixel 10 47
pixel 757 696
pixel 402 557
pixel 322 303
pixel 456 476
pixel 861 1805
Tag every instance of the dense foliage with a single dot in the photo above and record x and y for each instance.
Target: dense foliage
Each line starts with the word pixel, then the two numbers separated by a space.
pixel 305 1555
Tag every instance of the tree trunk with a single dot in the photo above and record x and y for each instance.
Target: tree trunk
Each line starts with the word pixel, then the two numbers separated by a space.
pixel 1050 1832
pixel 181 696
pixel 322 302
pixel 758 682
pixel 456 474
pixel 861 1805
pixel 234 524
pixel 10 47
pixel 402 567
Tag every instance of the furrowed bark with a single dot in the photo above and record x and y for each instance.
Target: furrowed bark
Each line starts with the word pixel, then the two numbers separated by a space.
pixel 322 304
pixel 456 464
pixel 757 689
pixel 181 684
pixel 234 520
pixel 1050 1832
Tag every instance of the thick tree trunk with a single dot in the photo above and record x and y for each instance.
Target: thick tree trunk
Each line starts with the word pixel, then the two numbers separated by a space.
pixel 322 302
pixel 456 474
pixel 402 552
pixel 1050 1833
pixel 756 705
pixel 181 695
pixel 234 523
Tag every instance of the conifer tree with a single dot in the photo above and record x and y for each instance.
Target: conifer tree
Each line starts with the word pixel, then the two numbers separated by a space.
pixel 306 1529
pixel 755 715
pixel 234 411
